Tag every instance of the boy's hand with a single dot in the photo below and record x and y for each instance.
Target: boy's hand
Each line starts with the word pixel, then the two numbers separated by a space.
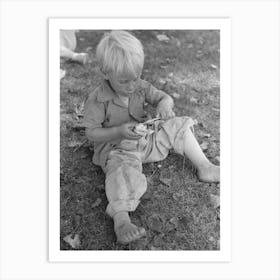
pixel 126 131
pixel 165 108
pixel 165 112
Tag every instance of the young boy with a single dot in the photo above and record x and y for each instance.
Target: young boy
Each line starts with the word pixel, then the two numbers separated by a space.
pixel 112 112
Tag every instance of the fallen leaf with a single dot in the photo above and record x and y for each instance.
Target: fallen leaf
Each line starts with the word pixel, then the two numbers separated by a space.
pixel 213 66
pixel 195 122
pixel 62 74
pixel 158 240
pixel 204 146
pixel 216 109
pixel 74 143
pixel 169 227
pixel 193 100
pixel 206 135
pixel 217 158
pixel 200 40
pixel 177 196
pixel 199 54
pixel 169 60
pixel 96 203
pixel 155 223
pixel 175 95
pixel 73 242
pixel 197 88
pixel 215 200
pixel 162 81
pixel 190 46
pixel 174 221
pixel 211 239
pixel 179 235
pixel 162 37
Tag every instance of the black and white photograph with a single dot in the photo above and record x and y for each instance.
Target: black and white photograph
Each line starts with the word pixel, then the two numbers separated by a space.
pixel 140 139
pixel 144 105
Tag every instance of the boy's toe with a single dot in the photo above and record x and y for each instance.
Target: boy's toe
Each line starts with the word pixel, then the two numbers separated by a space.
pixel 128 233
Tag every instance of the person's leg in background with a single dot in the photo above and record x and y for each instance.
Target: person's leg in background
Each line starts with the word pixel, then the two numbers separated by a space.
pixel 68 45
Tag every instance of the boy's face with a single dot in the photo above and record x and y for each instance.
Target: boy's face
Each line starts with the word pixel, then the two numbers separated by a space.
pixel 124 84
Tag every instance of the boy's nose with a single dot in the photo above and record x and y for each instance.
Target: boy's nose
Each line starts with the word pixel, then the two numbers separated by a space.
pixel 130 86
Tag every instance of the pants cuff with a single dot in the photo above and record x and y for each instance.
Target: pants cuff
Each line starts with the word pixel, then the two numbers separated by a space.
pixel 121 206
pixel 179 142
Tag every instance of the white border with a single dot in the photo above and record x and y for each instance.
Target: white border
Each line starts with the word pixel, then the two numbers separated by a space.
pixel 55 255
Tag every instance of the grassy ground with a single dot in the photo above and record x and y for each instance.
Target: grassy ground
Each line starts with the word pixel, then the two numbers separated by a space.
pixel 178 212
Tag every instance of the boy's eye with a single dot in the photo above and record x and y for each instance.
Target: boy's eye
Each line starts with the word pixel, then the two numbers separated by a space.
pixel 123 82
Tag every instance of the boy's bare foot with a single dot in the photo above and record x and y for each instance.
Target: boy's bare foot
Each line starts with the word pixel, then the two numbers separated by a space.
pixel 128 232
pixel 125 230
pixel 209 173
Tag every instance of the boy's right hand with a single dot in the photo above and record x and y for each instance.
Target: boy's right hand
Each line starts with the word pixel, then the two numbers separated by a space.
pixel 126 131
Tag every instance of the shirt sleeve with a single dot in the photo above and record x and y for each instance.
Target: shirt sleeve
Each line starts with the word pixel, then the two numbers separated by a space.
pixel 154 95
pixel 94 114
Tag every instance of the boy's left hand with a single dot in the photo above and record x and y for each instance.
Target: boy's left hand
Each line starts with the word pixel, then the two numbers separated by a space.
pixel 165 113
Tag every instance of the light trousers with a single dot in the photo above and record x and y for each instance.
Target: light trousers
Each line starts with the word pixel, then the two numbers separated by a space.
pixel 125 183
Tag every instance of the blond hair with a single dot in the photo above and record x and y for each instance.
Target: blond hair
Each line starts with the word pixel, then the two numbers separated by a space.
pixel 119 52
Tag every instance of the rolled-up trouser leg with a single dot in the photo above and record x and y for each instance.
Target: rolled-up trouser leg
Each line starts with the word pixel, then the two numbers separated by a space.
pixel 169 135
pixel 176 129
pixel 125 183
pixel 179 132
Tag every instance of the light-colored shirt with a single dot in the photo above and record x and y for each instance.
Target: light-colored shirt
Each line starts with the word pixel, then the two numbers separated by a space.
pixel 105 109
pixel 124 99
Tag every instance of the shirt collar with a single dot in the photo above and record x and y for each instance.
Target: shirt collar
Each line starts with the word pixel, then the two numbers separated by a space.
pixel 107 94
